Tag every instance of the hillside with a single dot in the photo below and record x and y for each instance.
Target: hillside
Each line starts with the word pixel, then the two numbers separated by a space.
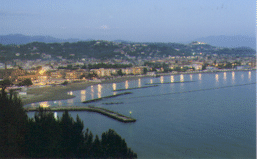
pixel 107 49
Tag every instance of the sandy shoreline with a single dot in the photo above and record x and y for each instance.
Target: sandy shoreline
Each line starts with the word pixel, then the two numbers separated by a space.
pixel 60 92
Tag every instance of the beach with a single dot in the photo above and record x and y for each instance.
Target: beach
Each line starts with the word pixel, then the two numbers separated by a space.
pixel 59 92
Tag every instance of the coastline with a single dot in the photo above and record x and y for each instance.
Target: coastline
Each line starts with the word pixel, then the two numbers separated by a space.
pixel 35 95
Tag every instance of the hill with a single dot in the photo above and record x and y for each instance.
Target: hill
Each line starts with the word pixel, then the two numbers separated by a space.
pixel 107 50
pixel 19 39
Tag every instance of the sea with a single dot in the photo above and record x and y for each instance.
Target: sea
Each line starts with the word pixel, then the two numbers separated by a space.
pixel 203 115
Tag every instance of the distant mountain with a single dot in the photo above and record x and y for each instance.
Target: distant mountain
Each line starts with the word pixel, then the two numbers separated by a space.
pixel 229 41
pixel 19 39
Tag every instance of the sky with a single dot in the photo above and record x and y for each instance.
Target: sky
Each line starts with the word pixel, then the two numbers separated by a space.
pixel 130 20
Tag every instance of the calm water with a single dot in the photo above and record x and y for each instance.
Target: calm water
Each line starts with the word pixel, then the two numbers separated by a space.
pixel 175 121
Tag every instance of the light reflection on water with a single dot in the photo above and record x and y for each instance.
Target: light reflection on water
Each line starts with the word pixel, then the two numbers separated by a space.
pixel 151 81
pixel 233 77
pixel 92 92
pixel 200 76
pixel 139 82
pixel 126 85
pixel 171 78
pixel 225 76
pixel 191 77
pixel 114 86
pixel 181 77
pixel 161 79
pixel 217 78
pixel 83 95
pixel 99 89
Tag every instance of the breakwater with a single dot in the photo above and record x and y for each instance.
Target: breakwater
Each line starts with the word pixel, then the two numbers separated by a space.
pixel 135 88
pixel 103 111
pixel 110 96
pixel 169 82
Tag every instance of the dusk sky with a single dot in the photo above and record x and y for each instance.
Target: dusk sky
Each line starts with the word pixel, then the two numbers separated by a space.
pixel 131 20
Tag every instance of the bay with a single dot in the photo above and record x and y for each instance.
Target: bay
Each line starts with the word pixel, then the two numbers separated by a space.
pixel 211 117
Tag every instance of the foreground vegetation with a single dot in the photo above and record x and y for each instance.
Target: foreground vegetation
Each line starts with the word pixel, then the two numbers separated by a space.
pixel 45 136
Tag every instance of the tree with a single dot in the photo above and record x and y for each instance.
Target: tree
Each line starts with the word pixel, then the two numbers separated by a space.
pixel 26 82
pixel 5 83
pixel 119 72
pixel 43 137
pixel 71 134
pixel 145 70
pixel 46 137
pixel 13 125
pixel 65 83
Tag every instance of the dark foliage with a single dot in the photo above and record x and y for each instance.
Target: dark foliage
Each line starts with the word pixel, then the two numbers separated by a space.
pixel 13 126
pixel 44 136
pixel 26 82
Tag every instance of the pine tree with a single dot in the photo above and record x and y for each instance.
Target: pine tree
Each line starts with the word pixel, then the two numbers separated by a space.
pixel 12 125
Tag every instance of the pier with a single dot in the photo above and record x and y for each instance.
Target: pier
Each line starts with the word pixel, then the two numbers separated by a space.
pixel 103 111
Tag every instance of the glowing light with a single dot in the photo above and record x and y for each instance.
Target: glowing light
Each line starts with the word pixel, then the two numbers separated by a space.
pixel 130 112
pixel 151 81
pixel 139 82
pixel 191 76
pixel 42 71
pixel 161 79
pixel 70 93
pixel 233 76
pixel 171 78
pixel 225 76
pixel 181 78
pixel 126 85
pixel 114 86
pixel 83 92
pixel 55 115
pixel 44 104
pixel 249 74
pixel 217 77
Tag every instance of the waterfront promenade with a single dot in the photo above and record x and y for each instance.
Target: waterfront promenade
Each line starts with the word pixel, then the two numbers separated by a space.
pixel 106 112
